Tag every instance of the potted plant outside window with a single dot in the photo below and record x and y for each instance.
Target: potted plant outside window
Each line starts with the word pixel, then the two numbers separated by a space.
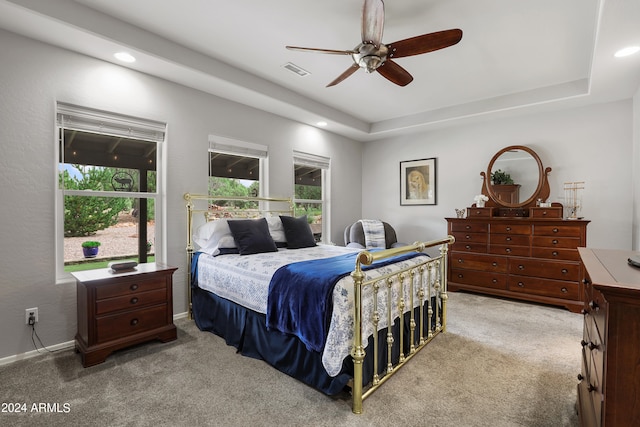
pixel 90 248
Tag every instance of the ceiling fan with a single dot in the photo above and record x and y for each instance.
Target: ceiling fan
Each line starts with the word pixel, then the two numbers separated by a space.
pixel 372 55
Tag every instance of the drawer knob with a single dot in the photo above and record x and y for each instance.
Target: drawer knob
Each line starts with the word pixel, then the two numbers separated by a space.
pixel 564 290
pixel 508 239
pixel 554 253
pixel 460 261
pixel 508 250
pixel 508 228
pixel 468 227
pixel 520 284
pixel 467 247
pixel 494 280
pixel 134 300
pixel 467 237
pixel 586 282
pixel 564 271
pixel 460 275
pixel 495 264
pixel 555 230
pixel 134 322
pixel 521 267
pixel 554 241
pixel 544 213
pixel 133 287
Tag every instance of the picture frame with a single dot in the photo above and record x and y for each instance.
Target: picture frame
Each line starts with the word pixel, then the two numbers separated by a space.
pixel 418 182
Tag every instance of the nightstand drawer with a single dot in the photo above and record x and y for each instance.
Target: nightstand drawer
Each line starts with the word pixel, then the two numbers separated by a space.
pixel 138 299
pixel 129 287
pixel 131 322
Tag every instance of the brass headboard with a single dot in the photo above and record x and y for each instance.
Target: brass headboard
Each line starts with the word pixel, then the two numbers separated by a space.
pixel 210 208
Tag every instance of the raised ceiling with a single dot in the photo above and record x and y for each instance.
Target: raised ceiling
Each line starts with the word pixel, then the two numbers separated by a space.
pixel 514 56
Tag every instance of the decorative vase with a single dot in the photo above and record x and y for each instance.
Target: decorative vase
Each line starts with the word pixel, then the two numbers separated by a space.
pixel 90 252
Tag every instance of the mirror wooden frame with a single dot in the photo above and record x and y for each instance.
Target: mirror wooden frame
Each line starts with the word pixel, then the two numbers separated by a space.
pixel 542 190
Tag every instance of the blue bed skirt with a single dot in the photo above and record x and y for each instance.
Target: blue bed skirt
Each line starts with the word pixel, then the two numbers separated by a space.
pixel 246 330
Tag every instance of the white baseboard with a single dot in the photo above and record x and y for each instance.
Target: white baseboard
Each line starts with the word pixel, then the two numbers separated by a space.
pixel 62 346
pixel 35 353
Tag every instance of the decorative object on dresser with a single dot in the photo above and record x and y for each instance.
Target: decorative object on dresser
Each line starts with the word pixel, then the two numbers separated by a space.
pixel 518 249
pixel 117 310
pixel 609 382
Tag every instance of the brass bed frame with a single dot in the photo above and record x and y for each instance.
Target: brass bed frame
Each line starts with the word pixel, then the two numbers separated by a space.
pixel 433 270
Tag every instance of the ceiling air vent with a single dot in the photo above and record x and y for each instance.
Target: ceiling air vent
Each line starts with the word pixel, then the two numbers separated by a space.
pixel 295 69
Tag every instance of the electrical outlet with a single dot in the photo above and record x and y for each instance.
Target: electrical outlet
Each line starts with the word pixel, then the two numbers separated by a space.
pixel 31 312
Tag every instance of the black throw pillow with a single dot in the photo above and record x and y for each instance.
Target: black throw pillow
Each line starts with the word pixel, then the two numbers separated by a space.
pixel 252 236
pixel 298 232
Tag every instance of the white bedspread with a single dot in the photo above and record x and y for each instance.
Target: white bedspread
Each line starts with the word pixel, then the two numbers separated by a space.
pixel 245 281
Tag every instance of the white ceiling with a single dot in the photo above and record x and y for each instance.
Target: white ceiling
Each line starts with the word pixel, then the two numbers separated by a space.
pixel 514 56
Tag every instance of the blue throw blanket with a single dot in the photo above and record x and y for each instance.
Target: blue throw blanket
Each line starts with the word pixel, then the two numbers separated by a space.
pixel 300 295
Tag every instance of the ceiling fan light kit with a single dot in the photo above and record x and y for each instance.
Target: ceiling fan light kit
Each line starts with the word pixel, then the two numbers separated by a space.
pixel 372 55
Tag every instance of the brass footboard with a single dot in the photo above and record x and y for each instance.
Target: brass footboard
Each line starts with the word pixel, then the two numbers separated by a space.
pixel 426 285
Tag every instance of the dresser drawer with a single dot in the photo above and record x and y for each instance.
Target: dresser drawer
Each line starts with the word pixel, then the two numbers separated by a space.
pixel 552 212
pixel 479 212
pixel 471 237
pixel 138 299
pixel 129 287
pixel 509 250
pixel 479 278
pixel 469 227
pixel 546 287
pixel 131 322
pixel 557 230
pixel 469 247
pixel 510 228
pixel 545 269
pixel 553 253
pixel 508 239
pixel 556 242
pixel 478 262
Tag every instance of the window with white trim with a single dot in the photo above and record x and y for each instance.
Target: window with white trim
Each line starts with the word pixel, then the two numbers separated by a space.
pixel 236 168
pixel 311 191
pixel 108 188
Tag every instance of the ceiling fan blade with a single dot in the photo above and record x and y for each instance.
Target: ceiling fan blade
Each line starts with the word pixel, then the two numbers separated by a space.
pixel 344 75
pixel 424 43
pixel 330 51
pixel 372 21
pixel 395 73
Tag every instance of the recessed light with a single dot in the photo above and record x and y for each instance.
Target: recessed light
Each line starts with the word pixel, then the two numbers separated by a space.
pixel 124 57
pixel 321 124
pixel 630 50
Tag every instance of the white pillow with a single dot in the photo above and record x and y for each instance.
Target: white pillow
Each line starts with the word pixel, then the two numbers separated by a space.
pixel 214 235
pixel 276 229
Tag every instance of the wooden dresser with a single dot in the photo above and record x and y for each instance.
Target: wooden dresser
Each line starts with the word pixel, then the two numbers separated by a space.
pixel 117 310
pixel 531 257
pixel 609 388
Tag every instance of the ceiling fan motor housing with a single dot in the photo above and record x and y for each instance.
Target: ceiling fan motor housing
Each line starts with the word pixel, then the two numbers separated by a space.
pixel 370 57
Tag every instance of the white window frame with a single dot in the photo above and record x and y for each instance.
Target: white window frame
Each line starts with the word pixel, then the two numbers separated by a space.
pixel 224 145
pixel 324 164
pixel 69 116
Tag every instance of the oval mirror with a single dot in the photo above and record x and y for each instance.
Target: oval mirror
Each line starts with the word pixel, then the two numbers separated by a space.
pixel 515 178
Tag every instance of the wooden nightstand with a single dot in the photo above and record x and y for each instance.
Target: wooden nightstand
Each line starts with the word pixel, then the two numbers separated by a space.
pixel 117 310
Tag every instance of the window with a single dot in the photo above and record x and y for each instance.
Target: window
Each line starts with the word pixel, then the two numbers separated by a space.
pixel 235 168
pixel 108 188
pixel 311 191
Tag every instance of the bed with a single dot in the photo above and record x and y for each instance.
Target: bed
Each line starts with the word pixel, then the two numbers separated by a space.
pixel 338 319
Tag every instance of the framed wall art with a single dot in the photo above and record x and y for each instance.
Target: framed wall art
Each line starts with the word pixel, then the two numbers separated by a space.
pixel 418 182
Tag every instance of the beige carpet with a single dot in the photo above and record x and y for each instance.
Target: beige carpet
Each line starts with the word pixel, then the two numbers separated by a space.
pixel 501 363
